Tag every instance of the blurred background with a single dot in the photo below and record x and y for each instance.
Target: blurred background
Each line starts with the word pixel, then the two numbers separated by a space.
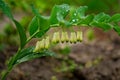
pixel 96 58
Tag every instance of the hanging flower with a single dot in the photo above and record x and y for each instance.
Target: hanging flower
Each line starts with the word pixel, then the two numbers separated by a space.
pixel 57 37
pixel 37 47
pixel 42 45
pixel 79 36
pixel 63 37
pixel 66 37
pixel 73 37
pixel 54 38
pixel 47 43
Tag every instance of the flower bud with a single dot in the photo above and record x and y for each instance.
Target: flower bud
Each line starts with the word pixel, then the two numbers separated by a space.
pixel 66 37
pixel 37 47
pixel 42 45
pixel 57 37
pixel 74 37
pixel 79 36
pixel 54 38
pixel 47 43
pixel 63 37
pixel 71 37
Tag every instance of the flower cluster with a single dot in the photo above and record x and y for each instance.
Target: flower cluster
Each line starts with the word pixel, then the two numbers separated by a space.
pixel 59 38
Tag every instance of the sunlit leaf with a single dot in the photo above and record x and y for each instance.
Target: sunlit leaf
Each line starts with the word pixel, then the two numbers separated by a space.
pixel 104 26
pixel 115 18
pixel 86 20
pixel 59 12
pixel 33 26
pixel 102 17
pixel 78 14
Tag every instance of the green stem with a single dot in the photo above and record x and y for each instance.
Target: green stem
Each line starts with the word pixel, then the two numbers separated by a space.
pixel 32 36
pixel 11 63
pixel 54 25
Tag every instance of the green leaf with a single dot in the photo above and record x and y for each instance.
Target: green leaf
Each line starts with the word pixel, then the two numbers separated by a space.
pixel 20 29
pixel 59 12
pixel 117 29
pixel 115 18
pixel 25 52
pixel 102 17
pixel 86 20
pixel 6 10
pixel 78 14
pixel 28 54
pixel 19 55
pixel 81 11
pixel 32 55
pixel 38 23
pixel 22 34
pixel 104 26
pixel 33 26
pixel 35 11
pixel 41 24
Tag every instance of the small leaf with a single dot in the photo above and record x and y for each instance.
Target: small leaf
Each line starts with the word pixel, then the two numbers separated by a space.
pixel 117 29
pixel 102 17
pixel 22 34
pixel 35 11
pixel 86 20
pixel 59 12
pixel 81 11
pixel 78 14
pixel 104 26
pixel 6 10
pixel 38 23
pixel 115 18
pixel 33 26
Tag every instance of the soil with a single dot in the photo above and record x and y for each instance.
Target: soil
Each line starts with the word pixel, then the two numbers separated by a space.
pixel 96 60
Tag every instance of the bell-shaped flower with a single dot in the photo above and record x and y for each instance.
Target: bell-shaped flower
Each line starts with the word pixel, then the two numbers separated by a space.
pixel 73 37
pixel 63 37
pixel 54 38
pixel 47 42
pixel 42 44
pixel 79 36
pixel 57 37
pixel 37 47
pixel 66 37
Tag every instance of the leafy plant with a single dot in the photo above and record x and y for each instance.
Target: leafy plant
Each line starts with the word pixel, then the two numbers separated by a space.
pixel 61 15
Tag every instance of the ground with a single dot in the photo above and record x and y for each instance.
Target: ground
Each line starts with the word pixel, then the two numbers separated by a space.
pixel 96 60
